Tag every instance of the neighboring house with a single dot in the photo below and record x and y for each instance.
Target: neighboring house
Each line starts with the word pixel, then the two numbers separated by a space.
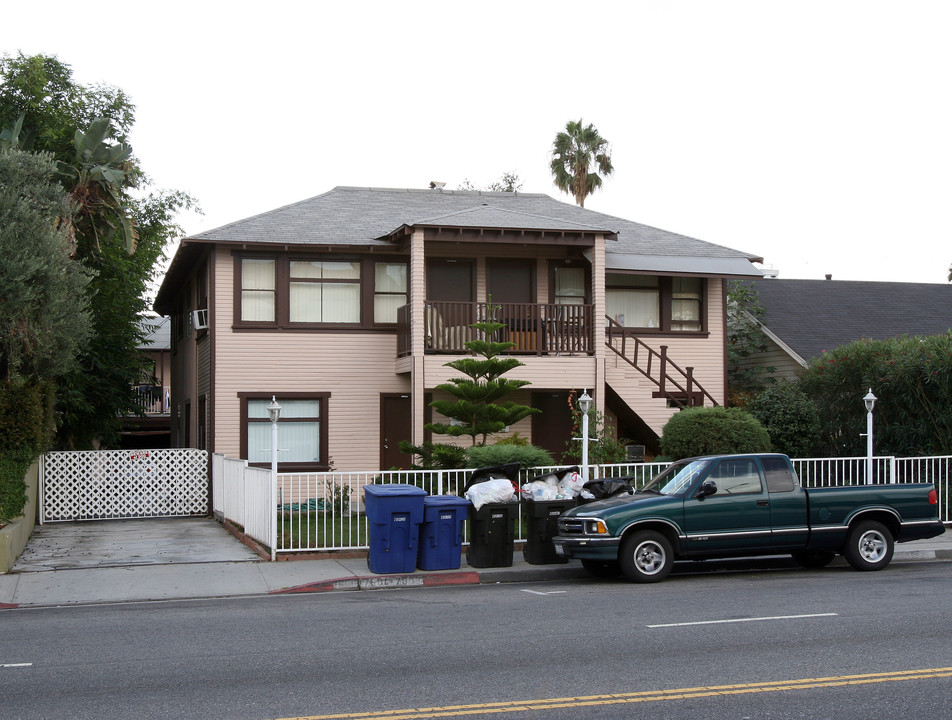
pixel 804 318
pixel 347 306
pixel 152 429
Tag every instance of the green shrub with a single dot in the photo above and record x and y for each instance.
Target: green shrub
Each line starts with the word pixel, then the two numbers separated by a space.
pixel 435 456
pixel 712 431
pixel 912 379
pixel 528 456
pixel 792 419
pixel 26 428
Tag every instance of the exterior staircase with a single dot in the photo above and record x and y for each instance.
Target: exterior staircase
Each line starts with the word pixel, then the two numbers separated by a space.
pixel 672 383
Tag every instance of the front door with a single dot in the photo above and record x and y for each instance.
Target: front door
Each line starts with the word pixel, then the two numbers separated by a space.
pixel 396 417
pixel 552 428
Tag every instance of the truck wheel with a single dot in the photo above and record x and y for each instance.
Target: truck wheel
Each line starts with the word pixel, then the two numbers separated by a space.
pixel 646 557
pixel 813 558
pixel 602 568
pixel 869 546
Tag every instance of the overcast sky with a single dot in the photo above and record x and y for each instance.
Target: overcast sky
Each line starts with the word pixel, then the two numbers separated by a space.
pixel 813 134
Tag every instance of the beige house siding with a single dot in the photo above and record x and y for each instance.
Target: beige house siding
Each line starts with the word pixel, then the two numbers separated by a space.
pixel 705 355
pixel 354 367
pixel 786 367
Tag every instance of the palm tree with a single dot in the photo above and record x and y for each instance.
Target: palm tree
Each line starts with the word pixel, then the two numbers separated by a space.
pixel 573 154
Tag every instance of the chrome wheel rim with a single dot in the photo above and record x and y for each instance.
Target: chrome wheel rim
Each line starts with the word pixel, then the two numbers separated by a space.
pixel 649 557
pixel 872 546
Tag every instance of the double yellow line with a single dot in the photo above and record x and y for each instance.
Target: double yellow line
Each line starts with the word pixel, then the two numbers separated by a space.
pixel 637 697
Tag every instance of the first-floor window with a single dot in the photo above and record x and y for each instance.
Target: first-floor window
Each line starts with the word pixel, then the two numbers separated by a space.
pixel 301 431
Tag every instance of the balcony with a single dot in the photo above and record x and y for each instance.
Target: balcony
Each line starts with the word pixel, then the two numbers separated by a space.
pixel 533 328
pixel 152 399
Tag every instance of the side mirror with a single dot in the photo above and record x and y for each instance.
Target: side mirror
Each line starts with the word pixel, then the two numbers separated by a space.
pixel 708 487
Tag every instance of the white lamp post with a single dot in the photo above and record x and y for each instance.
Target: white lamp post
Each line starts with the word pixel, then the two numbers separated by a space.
pixel 585 404
pixel 274 413
pixel 870 402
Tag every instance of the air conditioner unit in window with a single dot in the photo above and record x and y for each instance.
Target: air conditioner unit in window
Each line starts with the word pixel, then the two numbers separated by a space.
pixel 200 319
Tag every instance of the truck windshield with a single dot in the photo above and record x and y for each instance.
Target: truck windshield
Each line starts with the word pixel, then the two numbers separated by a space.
pixel 677 478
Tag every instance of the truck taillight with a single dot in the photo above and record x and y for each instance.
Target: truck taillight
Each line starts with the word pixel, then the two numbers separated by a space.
pixel 933 497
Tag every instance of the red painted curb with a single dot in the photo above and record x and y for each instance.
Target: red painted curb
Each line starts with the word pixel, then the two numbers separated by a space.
pixel 460 578
pixel 9 606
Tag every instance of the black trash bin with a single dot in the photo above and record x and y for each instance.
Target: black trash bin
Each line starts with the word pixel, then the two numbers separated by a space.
pixel 492 534
pixel 492 526
pixel 542 523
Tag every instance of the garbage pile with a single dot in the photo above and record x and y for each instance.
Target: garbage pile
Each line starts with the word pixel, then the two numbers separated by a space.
pixel 606 488
pixel 565 484
pixel 494 484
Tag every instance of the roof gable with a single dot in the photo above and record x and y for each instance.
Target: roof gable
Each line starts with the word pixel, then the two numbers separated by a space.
pixel 813 316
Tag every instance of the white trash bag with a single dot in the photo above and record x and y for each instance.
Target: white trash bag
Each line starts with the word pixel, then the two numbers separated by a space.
pixel 494 490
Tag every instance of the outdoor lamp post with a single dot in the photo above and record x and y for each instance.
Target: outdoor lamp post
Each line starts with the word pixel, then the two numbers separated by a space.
pixel 870 402
pixel 585 404
pixel 274 413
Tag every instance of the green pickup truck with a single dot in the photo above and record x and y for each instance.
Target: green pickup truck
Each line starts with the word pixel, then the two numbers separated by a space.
pixel 740 506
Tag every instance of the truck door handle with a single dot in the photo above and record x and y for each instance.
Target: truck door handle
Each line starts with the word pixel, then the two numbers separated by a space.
pixel 763 503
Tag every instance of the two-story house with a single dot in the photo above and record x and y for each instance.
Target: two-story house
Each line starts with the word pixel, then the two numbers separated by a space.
pixel 347 306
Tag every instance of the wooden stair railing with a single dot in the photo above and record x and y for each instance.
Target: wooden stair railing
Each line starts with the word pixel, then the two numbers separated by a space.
pixel 674 383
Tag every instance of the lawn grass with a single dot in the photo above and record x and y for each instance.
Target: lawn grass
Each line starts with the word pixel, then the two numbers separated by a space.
pixel 317 530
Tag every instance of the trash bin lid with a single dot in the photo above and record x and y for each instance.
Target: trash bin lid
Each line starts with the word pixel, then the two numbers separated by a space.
pixel 445 500
pixel 392 489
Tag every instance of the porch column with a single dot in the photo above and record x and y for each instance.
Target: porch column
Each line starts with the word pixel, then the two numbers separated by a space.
pixel 417 341
pixel 598 299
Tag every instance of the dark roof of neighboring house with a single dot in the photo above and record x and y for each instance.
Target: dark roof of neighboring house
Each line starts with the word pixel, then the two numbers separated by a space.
pixel 354 216
pixel 812 316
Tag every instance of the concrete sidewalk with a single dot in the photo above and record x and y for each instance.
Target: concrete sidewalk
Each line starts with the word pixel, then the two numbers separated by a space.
pixel 176 581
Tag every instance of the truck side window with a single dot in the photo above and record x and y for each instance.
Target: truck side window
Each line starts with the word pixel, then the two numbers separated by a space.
pixel 736 476
pixel 779 477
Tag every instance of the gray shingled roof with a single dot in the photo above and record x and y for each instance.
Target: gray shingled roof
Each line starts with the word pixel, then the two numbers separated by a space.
pixel 352 216
pixel 364 216
pixel 812 316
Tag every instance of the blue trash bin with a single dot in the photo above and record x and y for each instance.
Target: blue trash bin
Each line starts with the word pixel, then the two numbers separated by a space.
pixel 441 533
pixel 394 513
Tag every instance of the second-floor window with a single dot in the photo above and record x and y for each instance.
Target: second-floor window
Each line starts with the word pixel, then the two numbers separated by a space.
pixel 649 302
pixel 287 291
pixel 325 291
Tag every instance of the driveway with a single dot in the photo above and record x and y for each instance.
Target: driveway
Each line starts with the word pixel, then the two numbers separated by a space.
pixel 119 543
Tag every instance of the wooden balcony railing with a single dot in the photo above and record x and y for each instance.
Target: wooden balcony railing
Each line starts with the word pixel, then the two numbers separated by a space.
pixel 533 328
pixel 675 384
pixel 152 399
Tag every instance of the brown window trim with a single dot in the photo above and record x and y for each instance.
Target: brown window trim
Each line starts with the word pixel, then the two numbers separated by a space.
pixel 666 295
pixel 282 320
pixel 323 397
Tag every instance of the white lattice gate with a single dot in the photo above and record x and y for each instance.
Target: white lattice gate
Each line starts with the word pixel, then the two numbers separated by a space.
pixel 123 484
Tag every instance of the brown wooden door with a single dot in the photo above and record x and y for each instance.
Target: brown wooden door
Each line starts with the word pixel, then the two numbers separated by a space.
pixel 449 280
pixel 510 281
pixel 396 417
pixel 552 428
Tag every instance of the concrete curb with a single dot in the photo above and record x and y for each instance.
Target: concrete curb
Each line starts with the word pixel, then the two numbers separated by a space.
pixel 383 582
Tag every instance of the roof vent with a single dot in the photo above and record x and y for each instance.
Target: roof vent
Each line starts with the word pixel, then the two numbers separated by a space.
pixel 434 185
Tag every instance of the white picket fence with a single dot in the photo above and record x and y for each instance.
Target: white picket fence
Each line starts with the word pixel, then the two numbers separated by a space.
pixel 324 511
